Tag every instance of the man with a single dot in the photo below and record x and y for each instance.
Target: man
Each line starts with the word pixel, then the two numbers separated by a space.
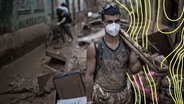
pixel 108 60
pixel 64 20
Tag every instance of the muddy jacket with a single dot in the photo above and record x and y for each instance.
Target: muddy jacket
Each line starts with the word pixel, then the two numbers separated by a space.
pixel 111 66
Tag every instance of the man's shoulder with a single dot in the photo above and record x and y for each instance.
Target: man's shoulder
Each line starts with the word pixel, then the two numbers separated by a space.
pixel 95 43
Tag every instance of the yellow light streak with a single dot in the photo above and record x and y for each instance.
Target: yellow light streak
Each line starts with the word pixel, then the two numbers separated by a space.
pixel 133 88
pixel 133 27
pixel 170 32
pixel 142 88
pixel 128 13
pixel 149 84
pixel 154 85
pixel 173 20
pixel 141 21
pixel 137 88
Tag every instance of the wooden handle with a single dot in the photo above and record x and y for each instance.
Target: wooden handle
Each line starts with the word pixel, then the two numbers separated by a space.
pixel 137 49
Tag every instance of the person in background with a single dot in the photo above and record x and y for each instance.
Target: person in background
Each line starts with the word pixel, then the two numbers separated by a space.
pixel 64 20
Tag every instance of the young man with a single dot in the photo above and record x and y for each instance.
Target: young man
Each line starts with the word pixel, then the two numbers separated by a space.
pixel 108 60
pixel 64 20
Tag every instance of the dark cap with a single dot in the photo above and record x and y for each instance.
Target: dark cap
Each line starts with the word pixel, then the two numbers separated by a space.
pixel 110 10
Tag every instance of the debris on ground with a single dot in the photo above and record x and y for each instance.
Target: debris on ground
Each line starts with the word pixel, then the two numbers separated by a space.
pixel 21 85
pixel 26 89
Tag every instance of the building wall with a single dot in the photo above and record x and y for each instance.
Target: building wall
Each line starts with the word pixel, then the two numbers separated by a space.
pixel 22 22
pixel 6 7
pixel 18 14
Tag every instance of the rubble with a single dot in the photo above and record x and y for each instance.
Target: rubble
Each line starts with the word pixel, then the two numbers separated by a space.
pixel 24 88
pixel 23 98
pixel 21 85
pixel 56 54
pixel 27 89
pixel 45 83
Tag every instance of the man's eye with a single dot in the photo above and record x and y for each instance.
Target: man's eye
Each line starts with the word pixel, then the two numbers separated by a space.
pixel 109 21
pixel 117 21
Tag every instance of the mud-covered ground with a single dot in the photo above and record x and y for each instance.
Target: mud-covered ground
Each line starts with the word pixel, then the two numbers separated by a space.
pixel 19 79
pixel 19 84
pixel 26 67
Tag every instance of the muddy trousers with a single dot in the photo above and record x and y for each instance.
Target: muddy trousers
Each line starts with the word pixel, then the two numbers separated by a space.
pixel 101 97
pixel 66 29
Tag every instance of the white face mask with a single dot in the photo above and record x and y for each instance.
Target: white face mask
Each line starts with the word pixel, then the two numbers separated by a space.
pixel 112 29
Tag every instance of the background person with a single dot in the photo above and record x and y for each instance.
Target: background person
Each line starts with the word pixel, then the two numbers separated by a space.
pixel 64 20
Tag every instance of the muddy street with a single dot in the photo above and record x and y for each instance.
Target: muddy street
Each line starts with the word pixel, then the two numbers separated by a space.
pixel 28 66
pixel 20 78
pixel 23 73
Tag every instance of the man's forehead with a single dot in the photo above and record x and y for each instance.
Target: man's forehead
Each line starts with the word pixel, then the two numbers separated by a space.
pixel 112 17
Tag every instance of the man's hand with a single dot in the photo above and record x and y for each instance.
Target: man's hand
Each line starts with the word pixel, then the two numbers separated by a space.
pixel 148 56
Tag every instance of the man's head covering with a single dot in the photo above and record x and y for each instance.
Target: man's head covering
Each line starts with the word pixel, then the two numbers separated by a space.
pixel 110 10
pixel 64 4
pixel 64 9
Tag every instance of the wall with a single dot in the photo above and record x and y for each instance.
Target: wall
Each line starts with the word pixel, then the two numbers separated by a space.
pixel 31 13
pixel 18 14
pixel 23 26
pixel 6 7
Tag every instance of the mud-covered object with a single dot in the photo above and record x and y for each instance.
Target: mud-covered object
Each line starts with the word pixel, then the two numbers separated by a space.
pixel 26 90
pixel 23 98
pixel 22 84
